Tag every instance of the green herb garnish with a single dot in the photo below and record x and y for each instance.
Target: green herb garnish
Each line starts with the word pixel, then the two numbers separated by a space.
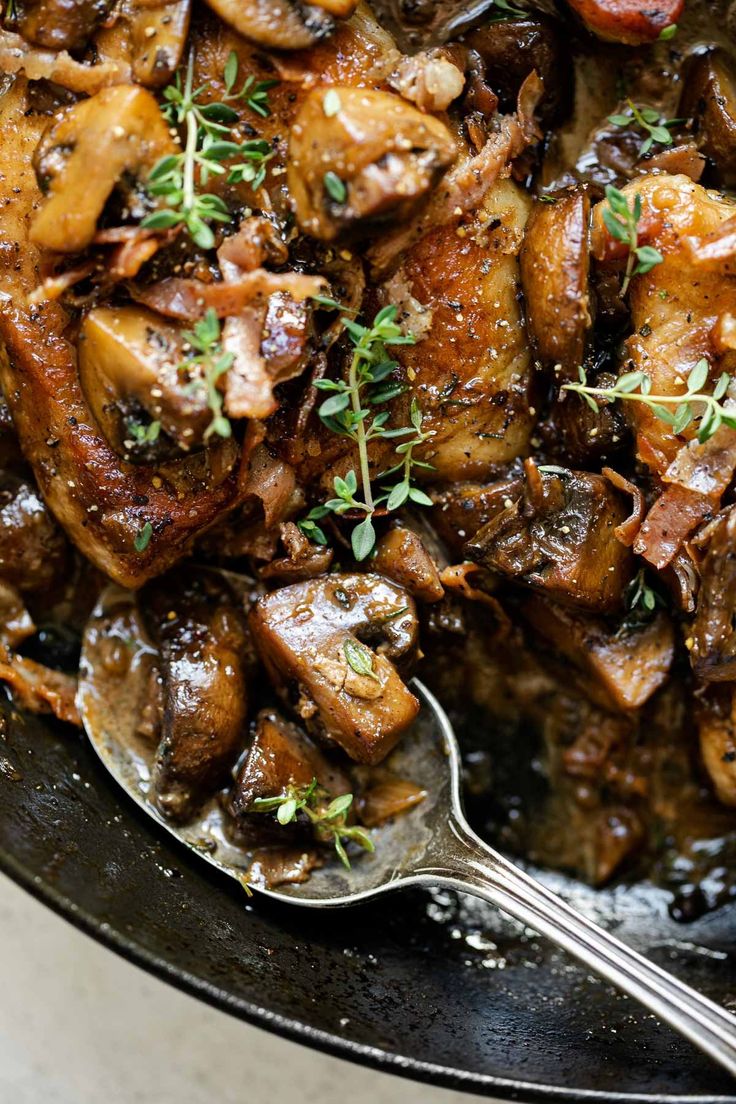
pixel 371 382
pixel 143 537
pixel 359 659
pixel 694 405
pixel 212 363
pixel 335 187
pixel 207 144
pixel 253 93
pixel 657 128
pixel 328 818
pixel 622 223
pixel 143 434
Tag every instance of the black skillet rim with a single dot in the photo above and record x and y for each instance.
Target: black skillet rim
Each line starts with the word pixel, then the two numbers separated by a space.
pixel 298 1031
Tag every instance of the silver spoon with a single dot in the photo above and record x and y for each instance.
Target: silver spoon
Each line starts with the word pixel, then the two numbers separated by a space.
pixel 432 845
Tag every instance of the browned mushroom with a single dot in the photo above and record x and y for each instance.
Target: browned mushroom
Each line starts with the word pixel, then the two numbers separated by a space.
pixel 716 719
pixel 130 360
pixel 57 24
pixel 83 154
pixel 279 24
pixel 33 551
pixel 196 621
pixel 402 556
pixel 617 667
pixel 561 538
pixel 358 156
pixel 709 98
pixel 512 49
pixel 328 644
pixel 280 756
pixel 149 36
pixel 555 263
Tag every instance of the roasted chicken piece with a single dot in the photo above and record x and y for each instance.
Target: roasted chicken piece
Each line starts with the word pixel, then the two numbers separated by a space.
pixel 471 371
pixel 200 630
pixel 131 521
pixel 676 312
pixel 282 756
pixel 560 537
pixel 328 645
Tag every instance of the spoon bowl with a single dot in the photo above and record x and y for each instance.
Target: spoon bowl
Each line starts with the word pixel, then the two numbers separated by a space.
pixel 432 845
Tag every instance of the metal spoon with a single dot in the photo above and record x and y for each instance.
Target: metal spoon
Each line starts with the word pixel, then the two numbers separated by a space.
pixel 433 845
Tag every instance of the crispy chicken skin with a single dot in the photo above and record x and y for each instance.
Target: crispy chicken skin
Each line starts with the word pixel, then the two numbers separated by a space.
pixel 102 502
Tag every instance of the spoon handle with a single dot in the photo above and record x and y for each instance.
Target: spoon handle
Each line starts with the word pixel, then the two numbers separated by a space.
pixel 471 866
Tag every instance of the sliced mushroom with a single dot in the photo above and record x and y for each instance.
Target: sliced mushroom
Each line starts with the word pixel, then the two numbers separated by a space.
pixel 281 756
pixel 561 538
pixel 617 668
pixel 628 21
pixel 82 155
pixel 129 358
pixel 713 654
pixel 200 630
pixel 33 551
pixel 149 36
pixel 555 264
pixel 709 98
pixel 278 24
pixel 401 556
pixel 57 24
pixel 511 49
pixel 314 639
pixel 362 157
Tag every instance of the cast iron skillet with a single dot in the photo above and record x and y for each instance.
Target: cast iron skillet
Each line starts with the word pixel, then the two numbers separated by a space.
pixel 434 988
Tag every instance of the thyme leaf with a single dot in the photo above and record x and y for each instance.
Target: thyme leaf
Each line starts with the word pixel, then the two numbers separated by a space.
pixel 622 223
pixel 693 406
pixel 211 363
pixel 328 817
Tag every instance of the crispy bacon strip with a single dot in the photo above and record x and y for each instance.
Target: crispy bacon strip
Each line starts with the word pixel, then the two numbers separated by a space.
pixel 189 300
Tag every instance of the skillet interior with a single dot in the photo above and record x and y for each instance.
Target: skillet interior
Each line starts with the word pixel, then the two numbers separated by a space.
pixel 426 987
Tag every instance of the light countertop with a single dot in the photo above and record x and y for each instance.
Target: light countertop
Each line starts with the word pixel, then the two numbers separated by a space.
pixel 79 1025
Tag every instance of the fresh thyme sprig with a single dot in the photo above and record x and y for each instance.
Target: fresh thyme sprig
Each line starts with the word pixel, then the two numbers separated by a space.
pixel 692 406
pixel 622 223
pixel 210 363
pixel 347 412
pixel 657 128
pixel 207 144
pixel 505 10
pixel 253 93
pixel 142 434
pixel 328 819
